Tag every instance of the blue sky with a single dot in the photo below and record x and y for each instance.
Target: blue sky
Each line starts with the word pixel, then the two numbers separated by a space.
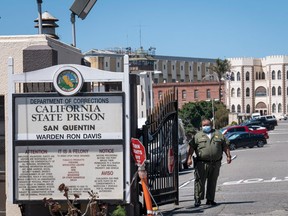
pixel 186 28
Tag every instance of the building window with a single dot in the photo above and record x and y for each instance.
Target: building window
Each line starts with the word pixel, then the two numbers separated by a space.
pixel 247 76
pixel 106 64
pixel 208 94
pixel 184 94
pixel 260 92
pixel 247 92
pixel 279 108
pixel 232 92
pixel 181 67
pixel 273 75
pixel 238 108
pixel 196 94
pixel 279 75
pixel 238 92
pixel 118 64
pixel 232 76
pixel 279 90
pixel 238 76
pixel 173 67
pixel 198 68
pixel 190 68
pixel 273 108
pixel 248 108
pixel 164 67
pixel 263 76
pixel 257 76
pixel 159 95
pixel 233 108
pixel 273 91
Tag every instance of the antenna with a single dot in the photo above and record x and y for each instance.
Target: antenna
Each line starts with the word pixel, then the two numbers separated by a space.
pixel 140 35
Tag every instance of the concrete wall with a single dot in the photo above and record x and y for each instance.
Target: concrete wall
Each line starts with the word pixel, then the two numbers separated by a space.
pixel 30 52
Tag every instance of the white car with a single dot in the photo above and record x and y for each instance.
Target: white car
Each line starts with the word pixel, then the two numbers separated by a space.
pixel 282 117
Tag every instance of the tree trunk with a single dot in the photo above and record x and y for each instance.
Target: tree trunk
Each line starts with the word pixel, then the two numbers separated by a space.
pixel 220 95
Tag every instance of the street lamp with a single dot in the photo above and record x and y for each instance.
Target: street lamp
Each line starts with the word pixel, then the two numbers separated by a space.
pixel 81 8
pixel 213 110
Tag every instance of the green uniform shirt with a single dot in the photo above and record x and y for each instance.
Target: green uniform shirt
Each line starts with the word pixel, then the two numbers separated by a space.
pixel 209 149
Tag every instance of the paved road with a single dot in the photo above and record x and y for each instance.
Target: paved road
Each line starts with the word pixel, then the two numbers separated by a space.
pixel 255 183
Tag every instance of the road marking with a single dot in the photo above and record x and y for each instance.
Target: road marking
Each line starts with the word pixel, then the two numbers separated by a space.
pixel 255 180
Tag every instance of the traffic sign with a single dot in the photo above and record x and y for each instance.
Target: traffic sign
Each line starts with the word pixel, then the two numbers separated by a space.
pixel 138 151
pixel 171 162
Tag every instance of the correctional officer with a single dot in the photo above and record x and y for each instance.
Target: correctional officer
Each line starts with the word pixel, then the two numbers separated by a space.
pixel 208 146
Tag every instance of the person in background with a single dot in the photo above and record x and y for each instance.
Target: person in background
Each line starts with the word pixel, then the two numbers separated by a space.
pixel 208 145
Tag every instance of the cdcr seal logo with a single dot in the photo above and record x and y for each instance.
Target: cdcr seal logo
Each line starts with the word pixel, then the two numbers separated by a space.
pixel 68 81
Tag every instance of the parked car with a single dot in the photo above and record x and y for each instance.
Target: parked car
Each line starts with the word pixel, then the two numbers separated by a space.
pixel 259 130
pixel 242 128
pixel 246 139
pixel 282 117
pixel 263 122
pixel 271 118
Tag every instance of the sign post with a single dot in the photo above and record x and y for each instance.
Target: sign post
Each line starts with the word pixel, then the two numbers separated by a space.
pixel 139 155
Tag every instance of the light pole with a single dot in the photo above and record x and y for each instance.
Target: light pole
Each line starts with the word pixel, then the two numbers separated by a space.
pixel 81 8
pixel 213 110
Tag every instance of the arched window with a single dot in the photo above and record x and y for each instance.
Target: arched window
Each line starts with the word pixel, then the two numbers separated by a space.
pixel 233 108
pixel 238 76
pixel 159 95
pixel 257 76
pixel 279 74
pixel 263 75
pixel 247 92
pixel 273 75
pixel 238 92
pixel 233 92
pixel 247 76
pixel 260 91
pixel 279 108
pixel 196 94
pixel 273 91
pixel 232 76
pixel 238 108
pixel 248 108
pixel 208 94
pixel 273 108
pixel 279 90
pixel 184 94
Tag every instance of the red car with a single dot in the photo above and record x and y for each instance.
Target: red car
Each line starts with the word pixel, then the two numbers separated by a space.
pixel 254 129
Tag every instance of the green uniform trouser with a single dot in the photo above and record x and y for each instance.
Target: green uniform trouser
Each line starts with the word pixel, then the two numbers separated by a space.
pixel 203 171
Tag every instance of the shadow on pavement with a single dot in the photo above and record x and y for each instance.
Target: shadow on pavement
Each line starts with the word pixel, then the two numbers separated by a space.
pixel 191 209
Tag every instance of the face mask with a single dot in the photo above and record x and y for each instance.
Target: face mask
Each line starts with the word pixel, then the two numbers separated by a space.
pixel 206 129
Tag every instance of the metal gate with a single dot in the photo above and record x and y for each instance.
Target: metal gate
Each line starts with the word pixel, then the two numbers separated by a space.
pixel 160 138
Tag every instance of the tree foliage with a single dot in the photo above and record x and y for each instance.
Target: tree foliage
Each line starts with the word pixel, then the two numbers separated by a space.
pixel 193 112
pixel 220 68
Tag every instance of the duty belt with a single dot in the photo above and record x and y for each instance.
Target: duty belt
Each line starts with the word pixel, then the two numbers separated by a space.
pixel 209 161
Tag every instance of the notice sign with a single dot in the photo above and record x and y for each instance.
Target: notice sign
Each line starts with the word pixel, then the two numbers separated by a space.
pixel 69 118
pixel 39 170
